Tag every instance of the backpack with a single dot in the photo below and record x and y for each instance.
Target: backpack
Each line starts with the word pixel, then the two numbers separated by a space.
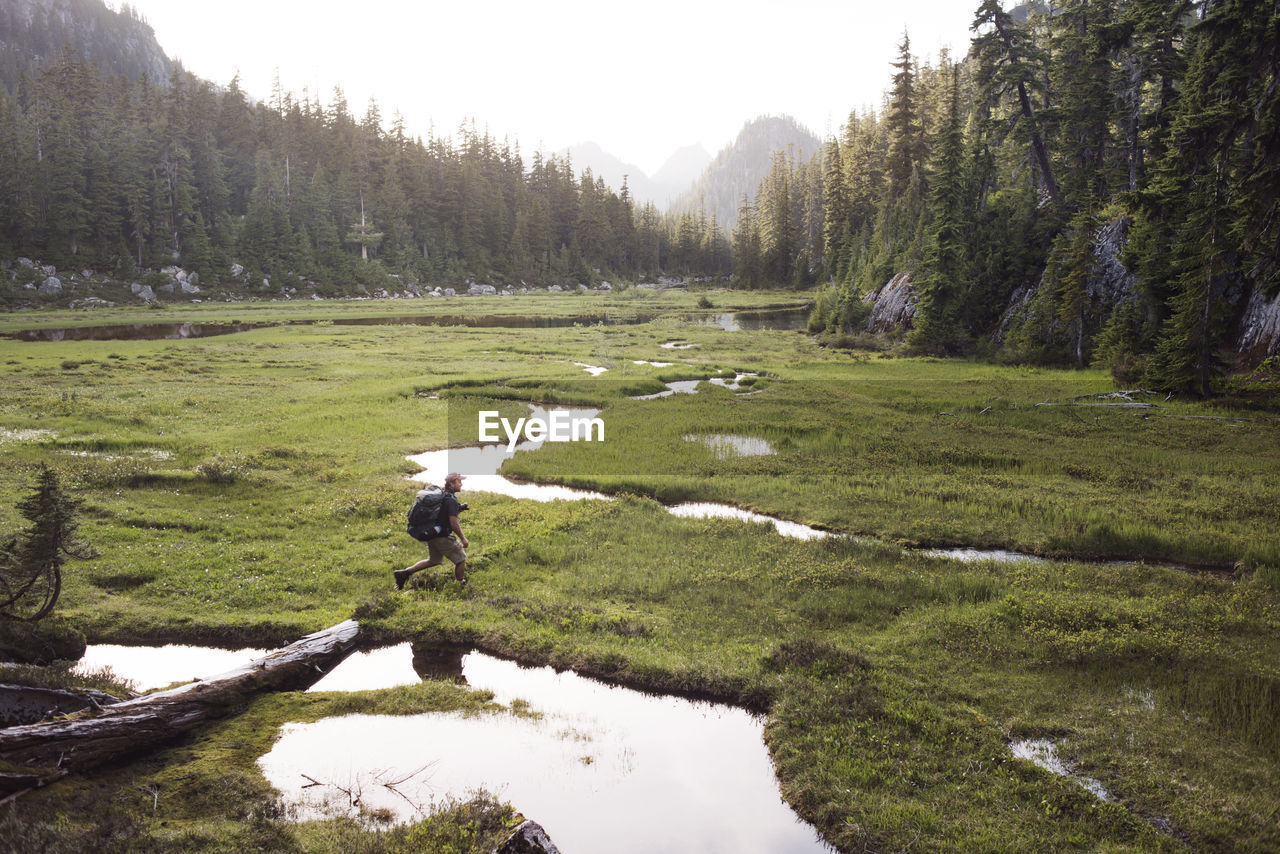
pixel 424 514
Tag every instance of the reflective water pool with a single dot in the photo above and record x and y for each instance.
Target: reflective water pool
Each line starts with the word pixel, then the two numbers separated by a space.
pixel 603 768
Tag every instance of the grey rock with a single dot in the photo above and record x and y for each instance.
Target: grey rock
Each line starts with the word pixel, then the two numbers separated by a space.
pixel 193 278
pixel 49 270
pixel 135 287
pixel 146 293
pixel 92 302
pixel 528 838
pixel 166 288
pixel 26 262
pixel 605 286
pixel 51 286
pixel 188 287
pixel 482 290
pixel 181 275
pixel 894 306
pixel 1260 329
pixel 450 292
pixel 173 272
pixel 555 288
pixel 237 270
pixel 86 274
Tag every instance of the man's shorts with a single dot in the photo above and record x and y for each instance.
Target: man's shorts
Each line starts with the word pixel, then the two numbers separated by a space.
pixel 439 547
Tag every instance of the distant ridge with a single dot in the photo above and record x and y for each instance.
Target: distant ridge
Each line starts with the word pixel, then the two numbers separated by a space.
pixel 681 169
pixel 738 169
pixel 34 34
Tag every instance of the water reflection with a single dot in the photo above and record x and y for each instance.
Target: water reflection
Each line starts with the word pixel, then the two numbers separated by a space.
pixel 726 445
pixel 481 464
pixel 786 319
pixel 603 768
pixel 150 667
pixel 135 331
pixel 678 387
pixel 782 319
pixel 704 510
pixel 1044 753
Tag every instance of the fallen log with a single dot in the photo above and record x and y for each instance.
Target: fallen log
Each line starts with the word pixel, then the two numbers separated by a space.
pixel 83 740
pixel 22 704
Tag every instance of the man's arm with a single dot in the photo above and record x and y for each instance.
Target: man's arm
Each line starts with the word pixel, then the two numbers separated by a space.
pixel 457 529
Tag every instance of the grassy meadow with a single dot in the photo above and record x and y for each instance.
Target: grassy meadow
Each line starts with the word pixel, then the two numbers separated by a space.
pixel 250 488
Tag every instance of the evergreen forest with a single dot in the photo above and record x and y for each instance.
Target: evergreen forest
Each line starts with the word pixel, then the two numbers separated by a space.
pixel 990 179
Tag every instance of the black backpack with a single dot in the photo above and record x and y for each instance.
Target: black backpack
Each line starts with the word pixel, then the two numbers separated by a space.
pixel 424 523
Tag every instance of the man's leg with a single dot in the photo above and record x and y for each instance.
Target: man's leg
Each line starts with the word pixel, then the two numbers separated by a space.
pixel 460 571
pixel 433 559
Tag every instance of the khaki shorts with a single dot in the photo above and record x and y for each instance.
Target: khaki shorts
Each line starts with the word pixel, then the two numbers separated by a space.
pixel 439 547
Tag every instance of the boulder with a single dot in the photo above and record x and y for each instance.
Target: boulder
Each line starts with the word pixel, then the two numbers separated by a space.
pixel 556 288
pixel 146 293
pixel 86 274
pixel 528 838
pixel 482 290
pixel 450 292
pixel 893 306
pixel 188 287
pixel 605 286
pixel 135 287
pixel 26 262
pixel 237 270
pixel 166 288
pixel 49 270
pixel 50 287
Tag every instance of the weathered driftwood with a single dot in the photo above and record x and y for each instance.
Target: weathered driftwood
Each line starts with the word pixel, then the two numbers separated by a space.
pixel 92 737
pixel 22 704
pixel 1129 405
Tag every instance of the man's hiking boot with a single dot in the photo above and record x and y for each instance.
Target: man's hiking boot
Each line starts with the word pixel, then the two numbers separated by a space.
pixel 402 575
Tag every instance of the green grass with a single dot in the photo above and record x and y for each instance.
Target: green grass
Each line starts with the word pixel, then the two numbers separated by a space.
pixel 251 488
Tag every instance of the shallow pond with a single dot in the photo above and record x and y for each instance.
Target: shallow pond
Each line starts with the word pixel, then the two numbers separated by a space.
pixel 677 387
pixel 727 445
pixel 150 667
pixel 1044 752
pixel 603 768
pixel 783 319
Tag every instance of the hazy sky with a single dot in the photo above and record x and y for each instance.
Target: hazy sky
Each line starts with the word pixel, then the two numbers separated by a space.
pixel 641 80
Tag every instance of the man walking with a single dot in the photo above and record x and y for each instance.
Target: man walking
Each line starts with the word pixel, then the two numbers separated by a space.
pixel 444 546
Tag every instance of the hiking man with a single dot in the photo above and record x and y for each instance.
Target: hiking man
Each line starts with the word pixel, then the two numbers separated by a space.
pixel 444 545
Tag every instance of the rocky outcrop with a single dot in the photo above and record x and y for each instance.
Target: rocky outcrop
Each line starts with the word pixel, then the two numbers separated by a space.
pixel 1260 326
pixel 1110 285
pixel 528 838
pixel 893 306
pixel 50 287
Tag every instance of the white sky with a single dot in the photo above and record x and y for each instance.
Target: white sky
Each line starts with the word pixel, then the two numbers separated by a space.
pixel 639 80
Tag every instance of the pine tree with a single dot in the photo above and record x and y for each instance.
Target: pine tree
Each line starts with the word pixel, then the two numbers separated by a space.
pixel 940 282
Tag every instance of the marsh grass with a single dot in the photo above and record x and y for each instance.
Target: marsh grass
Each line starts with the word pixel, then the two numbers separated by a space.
pixel 251 488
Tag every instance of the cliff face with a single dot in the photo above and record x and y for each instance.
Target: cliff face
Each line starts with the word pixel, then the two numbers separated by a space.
pixel 34 33
pixel 1260 327
pixel 893 306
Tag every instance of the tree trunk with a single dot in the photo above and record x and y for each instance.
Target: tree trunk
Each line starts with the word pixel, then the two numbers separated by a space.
pixel 92 737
